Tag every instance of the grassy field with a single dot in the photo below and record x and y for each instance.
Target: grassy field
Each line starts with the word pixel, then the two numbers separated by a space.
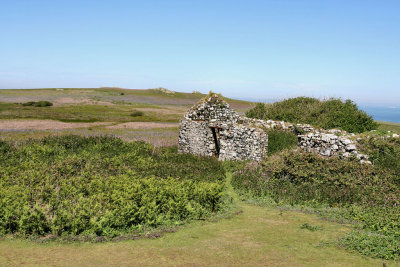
pixel 256 237
pixel 389 126
pixel 252 235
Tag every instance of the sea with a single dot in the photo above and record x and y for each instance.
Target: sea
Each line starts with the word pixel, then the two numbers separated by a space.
pixel 391 114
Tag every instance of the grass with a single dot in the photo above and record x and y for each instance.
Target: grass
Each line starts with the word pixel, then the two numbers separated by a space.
pixel 389 126
pixel 108 94
pixel 88 113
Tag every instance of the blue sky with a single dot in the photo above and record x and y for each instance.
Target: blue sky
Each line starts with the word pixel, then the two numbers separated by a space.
pixel 244 49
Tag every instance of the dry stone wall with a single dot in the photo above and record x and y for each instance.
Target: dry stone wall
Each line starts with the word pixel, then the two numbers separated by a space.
pixel 326 143
pixel 195 137
pixel 241 142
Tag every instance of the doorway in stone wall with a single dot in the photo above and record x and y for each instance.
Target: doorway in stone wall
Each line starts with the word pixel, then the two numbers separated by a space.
pixel 215 133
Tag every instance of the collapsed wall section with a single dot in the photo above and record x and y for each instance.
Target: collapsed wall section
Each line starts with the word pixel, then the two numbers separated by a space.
pixel 327 143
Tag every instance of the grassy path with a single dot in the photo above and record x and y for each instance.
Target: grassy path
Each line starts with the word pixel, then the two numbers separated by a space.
pixel 258 236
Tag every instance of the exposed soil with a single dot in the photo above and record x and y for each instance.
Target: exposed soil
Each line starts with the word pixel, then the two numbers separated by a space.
pixel 143 125
pixel 175 110
pixel 86 101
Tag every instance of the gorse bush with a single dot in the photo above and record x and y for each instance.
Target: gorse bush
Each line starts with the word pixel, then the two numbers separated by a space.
pixel 367 194
pixel 328 114
pixel 71 185
pixel 38 104
pixel 137 113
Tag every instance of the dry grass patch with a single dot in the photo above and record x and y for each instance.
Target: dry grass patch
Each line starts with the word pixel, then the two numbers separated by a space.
pixel 45 125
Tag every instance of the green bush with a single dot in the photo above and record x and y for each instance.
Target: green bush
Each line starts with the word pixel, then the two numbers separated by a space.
pixel 385 153
pixel 38 104
pixel 137 113
pixel 328 114
pixel 373 244
pixel 280 140
pixel 294 178
pixel 72 185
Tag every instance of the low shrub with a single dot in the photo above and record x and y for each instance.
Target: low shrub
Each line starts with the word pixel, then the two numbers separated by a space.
pixel 293 177
pixel 38 104
pixel 280 140
pixel 72 185
pixel 137 113
pixel 310 227
pixel 332 113
pixel 385 153
pixel 373 244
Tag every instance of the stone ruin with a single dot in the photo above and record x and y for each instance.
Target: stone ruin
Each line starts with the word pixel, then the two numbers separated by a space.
pixel 212 128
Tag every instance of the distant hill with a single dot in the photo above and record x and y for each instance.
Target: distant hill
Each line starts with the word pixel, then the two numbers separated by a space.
pixel 58 96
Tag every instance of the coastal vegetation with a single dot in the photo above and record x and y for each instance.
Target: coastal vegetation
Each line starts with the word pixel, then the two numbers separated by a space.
pixel 327 114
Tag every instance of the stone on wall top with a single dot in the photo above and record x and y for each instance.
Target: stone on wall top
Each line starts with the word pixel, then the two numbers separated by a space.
pixel 212 108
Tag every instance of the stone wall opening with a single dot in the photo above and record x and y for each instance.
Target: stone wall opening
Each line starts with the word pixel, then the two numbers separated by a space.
pixel 215 133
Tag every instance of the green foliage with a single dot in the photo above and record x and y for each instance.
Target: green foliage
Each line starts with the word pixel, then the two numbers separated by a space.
pixel 310 227
pixel 367 194
pixel 385 153
pixel 332 113
pixel 137 113
pixel 373 244
pixel 71 185
pixel 293 177
pixel 38 104
pixel 280 140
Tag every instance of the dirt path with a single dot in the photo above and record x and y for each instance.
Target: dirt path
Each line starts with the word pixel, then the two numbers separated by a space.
pixel 143 125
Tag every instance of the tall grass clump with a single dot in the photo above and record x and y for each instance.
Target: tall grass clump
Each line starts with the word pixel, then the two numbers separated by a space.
pixel 102 186
pixel 366 194
pixel 328 114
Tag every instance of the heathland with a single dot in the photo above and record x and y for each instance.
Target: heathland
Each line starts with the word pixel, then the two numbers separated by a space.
pixel 92 177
